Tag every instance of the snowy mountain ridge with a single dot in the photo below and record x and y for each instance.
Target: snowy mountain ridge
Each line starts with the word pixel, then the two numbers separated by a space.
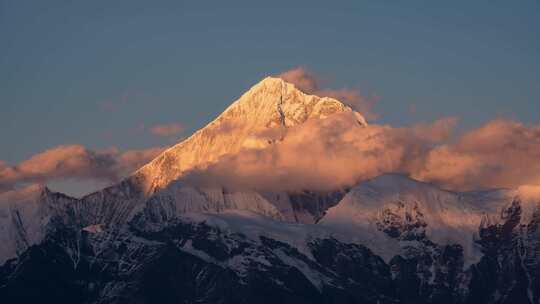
pixel 450 217
pixel 405 237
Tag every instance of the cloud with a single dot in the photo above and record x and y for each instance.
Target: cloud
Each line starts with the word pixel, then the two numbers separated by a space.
pixel 74 162
pixel 436 131
pixel 335 152
pixel 119 102
pixel 501 153
pixel 529 192
pixel 302 79
pixel 167 129
pixel 325 155
pixel 310 83
pixel 5 170
pixel 133 159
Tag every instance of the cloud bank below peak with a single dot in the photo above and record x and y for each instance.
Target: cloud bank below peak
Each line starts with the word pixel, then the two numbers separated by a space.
pixel 499 154
pixel 74 162
pixel 335 153
pixel 321 154
pixel 326 154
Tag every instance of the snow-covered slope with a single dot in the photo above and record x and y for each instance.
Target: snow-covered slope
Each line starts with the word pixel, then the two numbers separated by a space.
pixel 178 199
pixel 24 217
pixel 392 211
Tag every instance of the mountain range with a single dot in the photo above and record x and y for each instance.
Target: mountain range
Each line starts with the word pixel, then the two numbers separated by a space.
pixel 184 229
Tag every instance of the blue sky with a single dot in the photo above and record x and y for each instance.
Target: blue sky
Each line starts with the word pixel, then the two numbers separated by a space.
pixel 96 73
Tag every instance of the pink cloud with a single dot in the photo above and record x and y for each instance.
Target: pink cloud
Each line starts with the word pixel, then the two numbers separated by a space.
pixel 133 159
pixel 324 155
pixel 75 162
pixel 501 153
pixel 336 152
pixel 120 102
pixel 167 129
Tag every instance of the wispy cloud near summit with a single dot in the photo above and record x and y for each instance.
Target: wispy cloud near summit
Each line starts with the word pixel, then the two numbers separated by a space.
pixel 167 129
pixel 310 83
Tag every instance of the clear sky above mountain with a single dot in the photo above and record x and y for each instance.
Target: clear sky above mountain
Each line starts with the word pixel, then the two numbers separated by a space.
pixel 132 76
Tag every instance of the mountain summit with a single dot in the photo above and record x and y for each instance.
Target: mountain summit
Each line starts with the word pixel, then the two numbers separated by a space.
pixel 259 118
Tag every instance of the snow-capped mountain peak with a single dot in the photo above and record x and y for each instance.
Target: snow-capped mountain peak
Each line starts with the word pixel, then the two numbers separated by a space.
pixel 260 117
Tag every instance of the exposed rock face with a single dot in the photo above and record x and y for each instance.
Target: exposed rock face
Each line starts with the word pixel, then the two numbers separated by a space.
pixel 510 268
pixel 404 222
